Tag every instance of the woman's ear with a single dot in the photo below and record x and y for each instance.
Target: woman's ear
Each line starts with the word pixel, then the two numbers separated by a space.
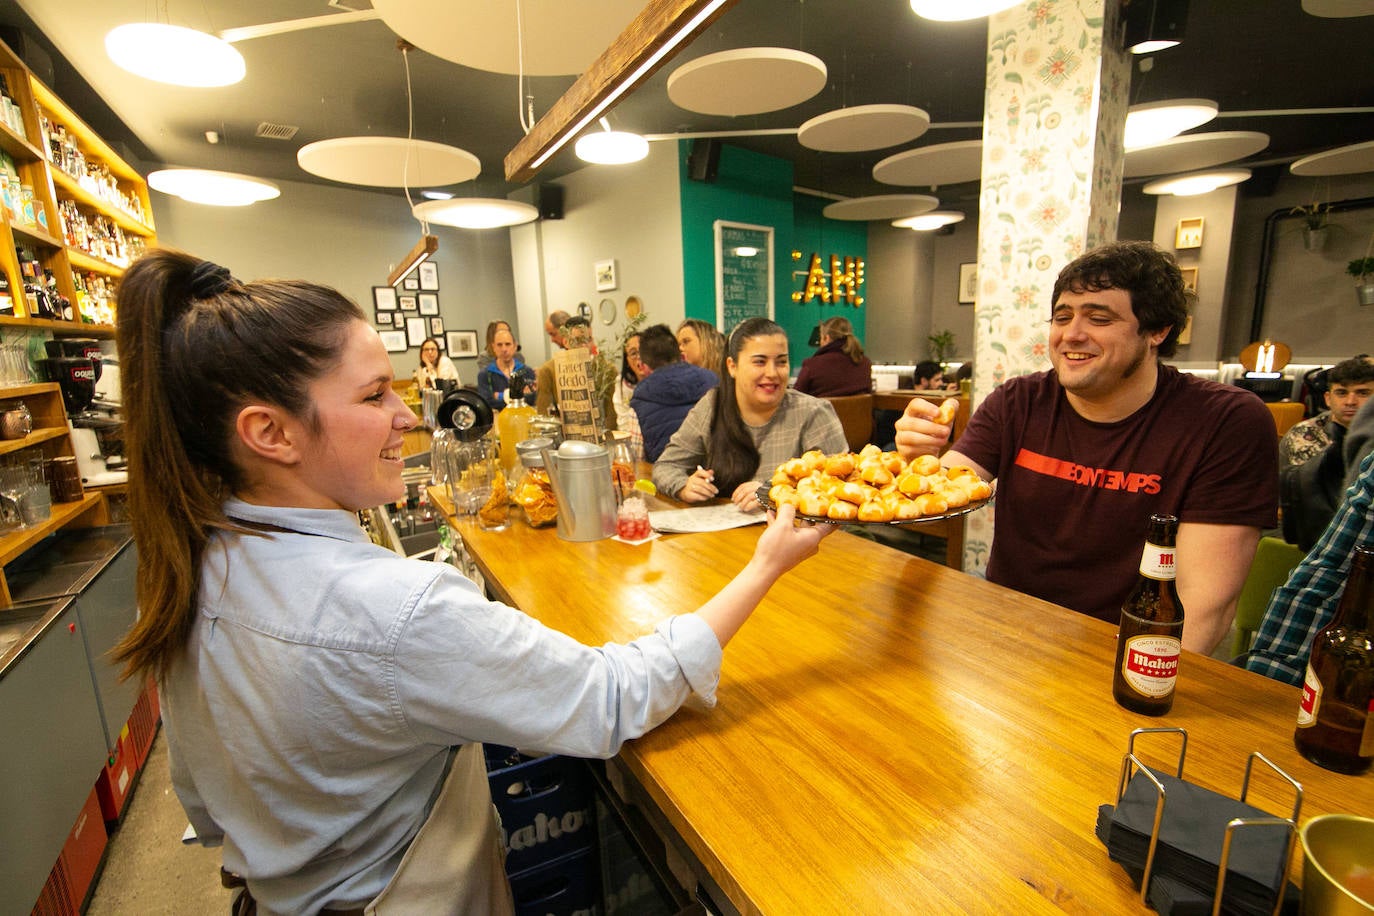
pixel 270 433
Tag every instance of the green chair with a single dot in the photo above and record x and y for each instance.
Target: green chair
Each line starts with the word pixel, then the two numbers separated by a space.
pixel 1274 559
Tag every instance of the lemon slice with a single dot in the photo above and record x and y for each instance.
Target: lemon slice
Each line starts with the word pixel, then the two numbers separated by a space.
pixel 647 486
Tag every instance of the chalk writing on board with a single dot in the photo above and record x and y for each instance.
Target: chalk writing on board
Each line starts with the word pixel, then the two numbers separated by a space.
pixel 744 272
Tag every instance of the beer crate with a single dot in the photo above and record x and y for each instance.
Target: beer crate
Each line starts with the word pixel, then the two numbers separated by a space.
pixel 567 886
pixel 545 804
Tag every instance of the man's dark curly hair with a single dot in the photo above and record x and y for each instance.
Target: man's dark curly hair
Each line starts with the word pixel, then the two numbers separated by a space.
pixel 1146 271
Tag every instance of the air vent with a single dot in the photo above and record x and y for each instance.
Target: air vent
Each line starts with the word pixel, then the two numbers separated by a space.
pixel 275 131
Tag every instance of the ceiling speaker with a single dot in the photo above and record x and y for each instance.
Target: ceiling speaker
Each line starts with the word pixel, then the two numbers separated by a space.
pixel 550 201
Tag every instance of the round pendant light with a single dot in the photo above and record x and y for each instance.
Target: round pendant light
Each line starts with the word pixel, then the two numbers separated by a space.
pixel 927 222
pixel 1155 122
pixel 881 206
pixel 959 10
pixel 173 54
pixel 1345 160
pixel 611 147
pixel 1193 151
pixel 476 212
pixel 747 81
pixel 941 164
pixel 863 127
pixel 217 189
pixel 388 162
pixel 1197 183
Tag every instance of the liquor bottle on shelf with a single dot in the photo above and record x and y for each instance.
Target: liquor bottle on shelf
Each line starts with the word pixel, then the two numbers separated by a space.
pixel 1335 723
pixel 58 304
pixel 6 300
pixel 1150 640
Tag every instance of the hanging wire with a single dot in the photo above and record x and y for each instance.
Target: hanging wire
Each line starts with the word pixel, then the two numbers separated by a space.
pixel 405 47
pixel 522 101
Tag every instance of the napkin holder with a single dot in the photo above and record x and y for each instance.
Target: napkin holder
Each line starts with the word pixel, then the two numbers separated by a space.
pixel 1139 778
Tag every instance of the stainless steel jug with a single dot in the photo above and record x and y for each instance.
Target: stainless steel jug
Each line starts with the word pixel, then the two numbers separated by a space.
pixel 581 476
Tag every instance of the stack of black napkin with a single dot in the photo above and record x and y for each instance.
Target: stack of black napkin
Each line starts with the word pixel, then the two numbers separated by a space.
pixel 1191 835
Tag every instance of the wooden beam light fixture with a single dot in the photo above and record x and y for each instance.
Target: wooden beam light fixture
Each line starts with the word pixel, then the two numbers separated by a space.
pixel 427 245
pixel 661 29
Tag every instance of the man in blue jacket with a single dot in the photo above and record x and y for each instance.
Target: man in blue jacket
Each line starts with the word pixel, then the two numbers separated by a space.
pixel 663 398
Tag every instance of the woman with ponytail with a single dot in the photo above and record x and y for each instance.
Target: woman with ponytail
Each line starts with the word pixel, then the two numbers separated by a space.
pixel 738 433
pixel 839 367
pixel 324 698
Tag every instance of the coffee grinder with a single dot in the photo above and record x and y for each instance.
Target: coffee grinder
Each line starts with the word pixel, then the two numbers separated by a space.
pixel 89 380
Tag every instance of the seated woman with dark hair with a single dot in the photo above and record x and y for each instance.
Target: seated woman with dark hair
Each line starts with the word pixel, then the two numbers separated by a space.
pixel 839 367
pixel 737 434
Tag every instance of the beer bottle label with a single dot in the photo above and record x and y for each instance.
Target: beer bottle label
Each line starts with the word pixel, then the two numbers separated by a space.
pixel 1311 698
pixel 1157 562
pixel 1149 664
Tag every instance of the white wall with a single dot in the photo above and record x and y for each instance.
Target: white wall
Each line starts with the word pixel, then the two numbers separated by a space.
pixel 347 238
pixel 1213 260
pixel 913 284
pixel 630 213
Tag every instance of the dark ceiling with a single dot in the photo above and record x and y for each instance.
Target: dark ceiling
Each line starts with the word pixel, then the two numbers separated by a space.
pixel 1251 56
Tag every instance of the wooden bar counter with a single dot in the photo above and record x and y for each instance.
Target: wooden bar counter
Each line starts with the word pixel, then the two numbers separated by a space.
pixel 893 735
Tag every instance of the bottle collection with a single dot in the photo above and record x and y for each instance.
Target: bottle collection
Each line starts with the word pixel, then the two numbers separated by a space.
pixel 9 109
pixel 92 174
pixel 98 235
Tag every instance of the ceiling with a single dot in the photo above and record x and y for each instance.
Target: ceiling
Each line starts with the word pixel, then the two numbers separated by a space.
pixel 349 80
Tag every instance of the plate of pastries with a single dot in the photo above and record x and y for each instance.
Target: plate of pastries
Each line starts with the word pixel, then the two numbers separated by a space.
pixel 874 487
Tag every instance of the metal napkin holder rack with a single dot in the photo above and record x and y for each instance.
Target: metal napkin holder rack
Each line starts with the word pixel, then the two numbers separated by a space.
pixel 1131 764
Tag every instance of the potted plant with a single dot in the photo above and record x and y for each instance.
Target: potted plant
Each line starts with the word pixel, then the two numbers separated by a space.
pixel 941 347
pixel 1362 269
pixel 1314 217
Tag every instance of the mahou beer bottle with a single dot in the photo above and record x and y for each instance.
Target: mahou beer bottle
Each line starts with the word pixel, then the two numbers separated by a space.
pixel 1335 719
pixel 1150 639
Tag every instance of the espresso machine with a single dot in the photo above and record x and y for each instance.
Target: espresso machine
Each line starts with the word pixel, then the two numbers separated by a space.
pixel 89 380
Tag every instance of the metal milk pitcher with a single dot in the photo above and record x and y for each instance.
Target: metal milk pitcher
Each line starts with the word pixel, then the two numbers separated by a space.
pixel 581 476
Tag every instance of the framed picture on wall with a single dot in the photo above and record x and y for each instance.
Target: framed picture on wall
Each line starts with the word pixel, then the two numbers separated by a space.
pixel 462 344
pixel 429 275
pixel 411 283
pixel 436 327
pixel 416 331
pixel 605 275
pixel 408 303
pixel 394 341
pixel 968 283
pixel 1189 278
pixel 429 303
pixel 384 319
pixel 384 298
pixel 1189 233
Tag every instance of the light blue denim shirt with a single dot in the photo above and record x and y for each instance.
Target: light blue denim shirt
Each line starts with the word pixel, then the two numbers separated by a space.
pixel 326 679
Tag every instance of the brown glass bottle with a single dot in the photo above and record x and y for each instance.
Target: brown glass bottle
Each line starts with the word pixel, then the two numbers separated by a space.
pixel 1150 639
pixel 1335 723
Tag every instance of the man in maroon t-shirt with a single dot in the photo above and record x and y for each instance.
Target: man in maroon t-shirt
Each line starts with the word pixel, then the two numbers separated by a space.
pixel 1084 453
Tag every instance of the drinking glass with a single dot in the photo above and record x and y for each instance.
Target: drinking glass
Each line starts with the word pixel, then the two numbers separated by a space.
pixel 13 485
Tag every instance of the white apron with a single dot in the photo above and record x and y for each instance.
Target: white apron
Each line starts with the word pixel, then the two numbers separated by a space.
pixel 455 865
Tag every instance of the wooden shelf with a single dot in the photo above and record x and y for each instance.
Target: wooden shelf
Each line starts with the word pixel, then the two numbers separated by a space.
pixel 63 515
pixel 19 148
pixel 37 437
pixel 59 328
pixel 69 187
pixel 36 235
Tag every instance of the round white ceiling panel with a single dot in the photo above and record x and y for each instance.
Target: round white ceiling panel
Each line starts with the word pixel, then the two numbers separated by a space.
pixel 1345 160
pixel 383 162
pixel 746 81
pixel 941 164
pixel 561 37
pixel 1191 152
pixel 882 206
pixel 1338 9
pixel 863 127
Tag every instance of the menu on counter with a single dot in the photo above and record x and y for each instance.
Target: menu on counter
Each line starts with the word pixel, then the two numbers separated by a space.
pixel 744 273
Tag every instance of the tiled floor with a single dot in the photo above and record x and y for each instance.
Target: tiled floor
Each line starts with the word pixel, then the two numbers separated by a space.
pixel 147 869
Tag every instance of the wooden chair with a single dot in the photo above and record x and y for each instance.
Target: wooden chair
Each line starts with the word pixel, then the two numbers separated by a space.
pixel 856 416
pixel 1274 560
pixel 1286 413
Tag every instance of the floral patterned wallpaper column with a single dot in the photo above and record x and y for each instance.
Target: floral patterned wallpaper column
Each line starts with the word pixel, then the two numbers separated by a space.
pixel 1053 121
